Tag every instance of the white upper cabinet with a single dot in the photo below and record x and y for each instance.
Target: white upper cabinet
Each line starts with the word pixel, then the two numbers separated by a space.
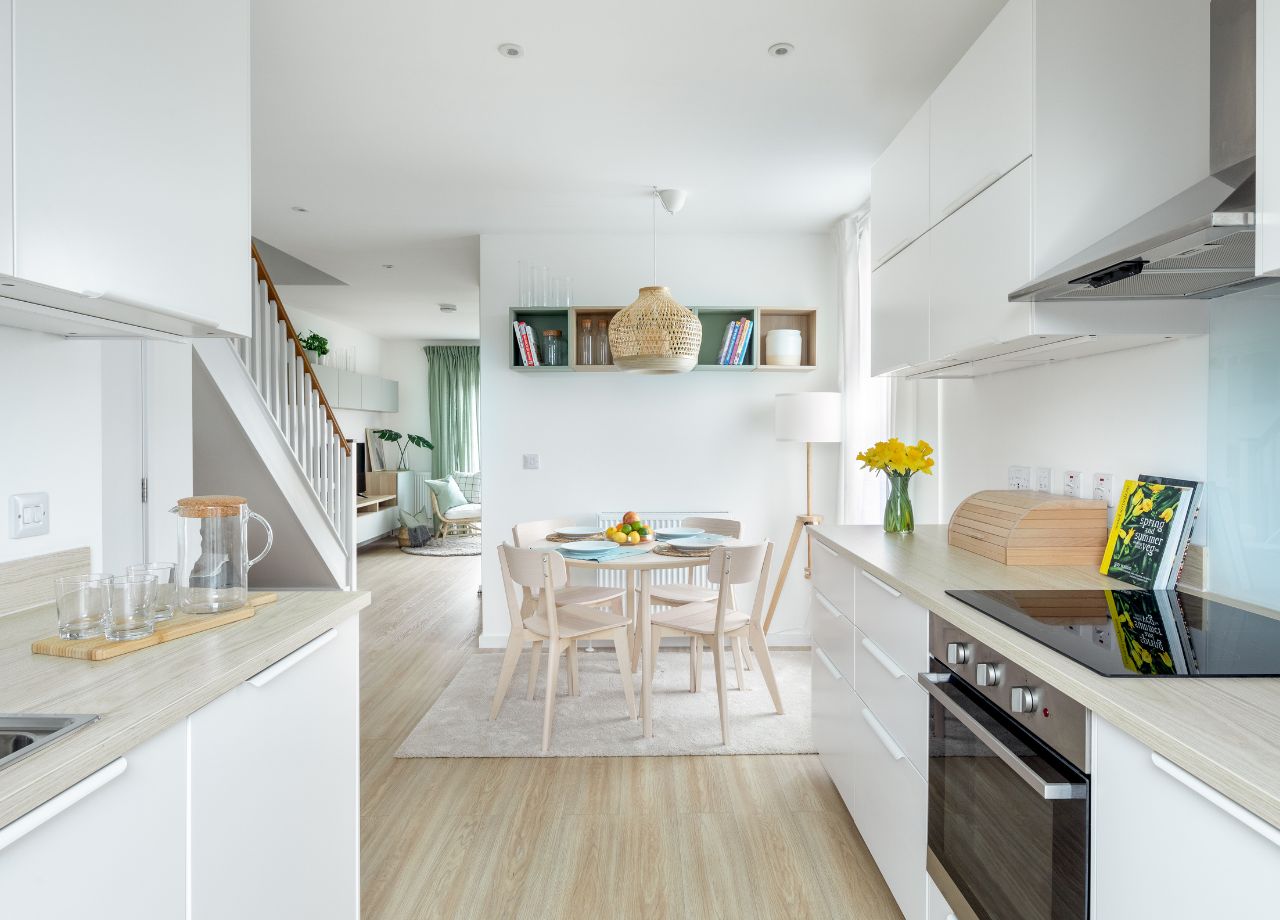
pixel 130 169
pixel 980 115
pixel 900 190
pixel 900 310
pixel 1268 181
pixel 979 254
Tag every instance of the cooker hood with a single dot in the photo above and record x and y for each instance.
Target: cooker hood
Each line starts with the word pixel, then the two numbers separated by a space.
pixel 1199 244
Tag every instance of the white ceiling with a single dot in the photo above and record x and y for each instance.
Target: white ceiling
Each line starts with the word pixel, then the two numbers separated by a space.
pixel 405 134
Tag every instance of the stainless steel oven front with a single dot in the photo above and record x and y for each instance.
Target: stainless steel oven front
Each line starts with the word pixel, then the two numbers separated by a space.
pixel 1008 787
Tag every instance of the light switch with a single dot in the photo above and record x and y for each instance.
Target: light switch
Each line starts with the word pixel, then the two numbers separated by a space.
pixel 530 461
pixel 28 514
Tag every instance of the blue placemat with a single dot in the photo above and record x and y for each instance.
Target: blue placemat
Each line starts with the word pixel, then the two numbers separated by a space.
pixel 605 555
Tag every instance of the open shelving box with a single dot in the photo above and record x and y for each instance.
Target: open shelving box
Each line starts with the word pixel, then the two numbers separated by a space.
pixel 714 321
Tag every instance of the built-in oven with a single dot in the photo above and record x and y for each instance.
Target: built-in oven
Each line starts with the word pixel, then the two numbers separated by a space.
pixel 1008 825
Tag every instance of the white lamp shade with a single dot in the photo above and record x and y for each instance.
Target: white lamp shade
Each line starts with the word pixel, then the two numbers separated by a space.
pixel 807 417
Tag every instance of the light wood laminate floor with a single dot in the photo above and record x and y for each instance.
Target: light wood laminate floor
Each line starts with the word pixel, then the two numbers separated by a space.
pixel 680 837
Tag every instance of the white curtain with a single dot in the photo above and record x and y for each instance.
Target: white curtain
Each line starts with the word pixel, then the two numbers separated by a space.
pixel 868 401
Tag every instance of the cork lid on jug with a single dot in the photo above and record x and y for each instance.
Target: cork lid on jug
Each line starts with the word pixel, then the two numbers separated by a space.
pixel 206 506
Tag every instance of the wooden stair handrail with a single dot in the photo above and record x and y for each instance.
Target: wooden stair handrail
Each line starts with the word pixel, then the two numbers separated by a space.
pixel 274 296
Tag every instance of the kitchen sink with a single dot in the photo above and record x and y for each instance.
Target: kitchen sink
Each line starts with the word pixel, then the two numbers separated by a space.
pixel 21 734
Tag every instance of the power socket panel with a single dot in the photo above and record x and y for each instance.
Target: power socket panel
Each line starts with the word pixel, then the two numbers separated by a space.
pixel 1044 479
pixel 1071 483
pixel 1102 487
pixel 1019 477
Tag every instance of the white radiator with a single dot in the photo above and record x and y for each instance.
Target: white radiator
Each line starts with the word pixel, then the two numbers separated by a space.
pixel 696 575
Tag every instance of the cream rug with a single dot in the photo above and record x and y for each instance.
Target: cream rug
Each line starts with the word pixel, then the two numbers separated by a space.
pixel 595 723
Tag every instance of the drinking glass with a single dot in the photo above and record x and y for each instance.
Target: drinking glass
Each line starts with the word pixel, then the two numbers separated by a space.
pixel 166 586
pixel 130 607
pixel 82 604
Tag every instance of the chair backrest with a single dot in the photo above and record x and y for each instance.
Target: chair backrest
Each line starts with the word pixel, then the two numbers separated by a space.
pixel 531 532
pixel 529 569
pixel 738 565
pixel 725 527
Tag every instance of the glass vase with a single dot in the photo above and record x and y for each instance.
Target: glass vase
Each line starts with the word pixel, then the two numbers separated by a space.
pixel 898 516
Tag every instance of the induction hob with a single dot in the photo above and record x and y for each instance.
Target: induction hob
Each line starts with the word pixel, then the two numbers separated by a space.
pixel 1140 633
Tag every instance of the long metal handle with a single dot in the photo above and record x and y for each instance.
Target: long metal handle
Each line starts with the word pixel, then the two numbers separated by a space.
pixel 831 608
pixel 988 180
pixel 881 585
pixel 12 833
pixel 267 675
pixel 883 734
pixel 1213 796
pixel 1045 788
pixel 885 661
pixel 827 663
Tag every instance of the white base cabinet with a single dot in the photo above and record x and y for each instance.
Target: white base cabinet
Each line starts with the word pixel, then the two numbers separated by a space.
pixel 275 790
pixel 1151 820
pixel 112 847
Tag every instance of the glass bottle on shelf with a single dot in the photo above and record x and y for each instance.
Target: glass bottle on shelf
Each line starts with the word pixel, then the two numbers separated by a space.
pixel 568 291
pixel 585 351
pixel 553 348
pixel 603 356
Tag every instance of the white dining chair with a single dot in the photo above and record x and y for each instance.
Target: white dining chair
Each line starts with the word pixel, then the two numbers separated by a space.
pixel 713 623
pixel 559 625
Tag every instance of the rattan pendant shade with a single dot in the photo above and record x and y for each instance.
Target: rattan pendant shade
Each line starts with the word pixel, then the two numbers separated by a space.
pixel 655 335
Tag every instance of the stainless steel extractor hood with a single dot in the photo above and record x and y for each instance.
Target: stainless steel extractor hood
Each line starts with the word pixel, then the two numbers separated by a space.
pixel 1200 243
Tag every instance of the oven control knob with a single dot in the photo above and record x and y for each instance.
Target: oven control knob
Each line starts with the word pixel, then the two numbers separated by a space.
pixel 988 675
pixel 957 653
pixel 1024 699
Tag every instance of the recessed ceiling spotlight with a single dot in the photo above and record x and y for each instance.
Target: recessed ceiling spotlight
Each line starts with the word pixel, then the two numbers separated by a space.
pixel 299 208
pixel 511 50
pixel 387 265
pixel 781 49
pixel 448 308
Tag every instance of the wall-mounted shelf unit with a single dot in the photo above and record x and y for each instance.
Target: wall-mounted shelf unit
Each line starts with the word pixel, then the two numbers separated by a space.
pixel 349 390
pixel 714 322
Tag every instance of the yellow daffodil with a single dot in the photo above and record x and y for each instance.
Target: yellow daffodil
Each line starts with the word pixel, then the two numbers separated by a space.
pixel 1166 515
pixel 1147 505
pixel 1156 488
pixel 1129 535
pixel 893 457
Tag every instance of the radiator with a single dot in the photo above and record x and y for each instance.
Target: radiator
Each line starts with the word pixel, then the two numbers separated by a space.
pixel 612 578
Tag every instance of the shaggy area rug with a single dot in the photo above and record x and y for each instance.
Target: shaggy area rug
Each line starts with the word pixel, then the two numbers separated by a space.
pixel 595 723
pixel 467 545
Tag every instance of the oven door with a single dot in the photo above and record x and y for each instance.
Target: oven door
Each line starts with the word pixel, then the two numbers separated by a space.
pixel 1008 818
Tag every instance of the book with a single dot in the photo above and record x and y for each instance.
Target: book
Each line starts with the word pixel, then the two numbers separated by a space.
pixel 736 326
pixel 1197 491
pixel 525 341
pixel 1146 534
pixel 517 327
pixel 744 340
pixel 724 344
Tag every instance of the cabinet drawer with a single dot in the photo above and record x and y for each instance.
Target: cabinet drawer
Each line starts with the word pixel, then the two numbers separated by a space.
pixel 834 634
pixel 892 694
pixel 835 706
pixel 889 807
pixel 898 626
pixel 836 576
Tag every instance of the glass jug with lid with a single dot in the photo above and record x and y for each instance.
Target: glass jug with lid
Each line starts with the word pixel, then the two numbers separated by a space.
pixel 213 552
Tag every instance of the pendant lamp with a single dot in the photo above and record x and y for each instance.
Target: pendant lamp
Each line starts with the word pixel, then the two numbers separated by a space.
pixel 656 335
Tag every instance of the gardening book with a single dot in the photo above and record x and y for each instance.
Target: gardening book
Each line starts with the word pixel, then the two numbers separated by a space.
pixel 1144 547
pixel 1197 490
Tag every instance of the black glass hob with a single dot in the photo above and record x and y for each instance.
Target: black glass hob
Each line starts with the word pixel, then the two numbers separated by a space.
pixel 1140 633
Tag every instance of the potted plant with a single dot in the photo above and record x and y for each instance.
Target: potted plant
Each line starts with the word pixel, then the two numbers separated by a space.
pixel 899 462
pixel 416 440
pixel 316 346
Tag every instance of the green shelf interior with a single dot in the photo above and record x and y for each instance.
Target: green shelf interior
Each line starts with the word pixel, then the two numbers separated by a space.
pixel 540 319
pixel 714 322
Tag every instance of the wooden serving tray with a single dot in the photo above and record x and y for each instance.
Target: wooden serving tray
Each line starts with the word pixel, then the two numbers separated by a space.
pixel 1031 528
pixel 182 624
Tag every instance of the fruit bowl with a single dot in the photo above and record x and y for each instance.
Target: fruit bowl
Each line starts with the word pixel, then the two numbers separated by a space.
pixel 631 532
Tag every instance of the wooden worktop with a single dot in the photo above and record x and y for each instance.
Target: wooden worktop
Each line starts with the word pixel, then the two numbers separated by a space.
pixel 1226 731
pixel 139 695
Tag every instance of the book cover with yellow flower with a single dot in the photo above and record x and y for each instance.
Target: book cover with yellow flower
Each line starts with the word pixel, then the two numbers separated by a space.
pixel 1146 537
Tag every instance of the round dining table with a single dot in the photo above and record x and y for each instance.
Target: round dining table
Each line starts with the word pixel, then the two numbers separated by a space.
pixel 639 569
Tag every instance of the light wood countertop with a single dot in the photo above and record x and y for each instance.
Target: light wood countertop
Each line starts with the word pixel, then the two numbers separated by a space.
pixel 1226 731
pixel 140 694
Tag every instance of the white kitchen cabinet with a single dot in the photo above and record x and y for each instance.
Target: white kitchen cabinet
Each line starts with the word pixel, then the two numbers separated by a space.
pixel 1150 817
pixel 900 310
pixel 980 115
pixel 834 634
pixel 900 190
pixel 1267 239
pixel 129 136
pixel 112 847
pixel 327 377
pixel 835 706
pixel 835 576
pixel 895 623
pixel 978 255
pixel 349 390
pixel 378 394
pixel 275 790
pixel 890 691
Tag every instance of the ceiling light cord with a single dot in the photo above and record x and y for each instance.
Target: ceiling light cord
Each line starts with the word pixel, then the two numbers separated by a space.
pixel 654 214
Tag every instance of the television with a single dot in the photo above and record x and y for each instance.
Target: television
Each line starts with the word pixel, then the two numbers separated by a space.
pixel 360 485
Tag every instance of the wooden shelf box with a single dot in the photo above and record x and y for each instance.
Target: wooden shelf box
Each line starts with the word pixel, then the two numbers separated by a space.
pixel 806 320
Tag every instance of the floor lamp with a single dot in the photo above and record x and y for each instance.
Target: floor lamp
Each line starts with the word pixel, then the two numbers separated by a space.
pixel 812 418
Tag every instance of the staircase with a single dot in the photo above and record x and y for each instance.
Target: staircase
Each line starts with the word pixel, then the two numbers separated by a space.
pixel 263 425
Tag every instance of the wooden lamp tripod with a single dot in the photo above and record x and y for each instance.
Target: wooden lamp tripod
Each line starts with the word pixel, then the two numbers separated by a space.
pixel 812 418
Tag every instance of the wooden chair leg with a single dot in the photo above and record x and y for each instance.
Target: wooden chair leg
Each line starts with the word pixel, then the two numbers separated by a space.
pixel 736 642
pixel 697 665
pixel 766 666
pixel 515 645
pixel 655 633
pixel 717 654
pixel 693 664
pixel 624 669
pixel 573 667
pixel 535 661
pixel 554 650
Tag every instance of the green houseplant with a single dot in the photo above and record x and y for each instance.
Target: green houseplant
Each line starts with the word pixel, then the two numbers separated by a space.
pixel 315 345
pixel 394 437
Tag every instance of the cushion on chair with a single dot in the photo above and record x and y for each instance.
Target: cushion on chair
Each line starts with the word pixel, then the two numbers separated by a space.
pixel 421 519
pixel 469 483
pixel 448 495
pixel 464 512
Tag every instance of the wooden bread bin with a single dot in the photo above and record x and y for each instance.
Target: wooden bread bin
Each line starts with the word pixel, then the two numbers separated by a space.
pixel 1031 528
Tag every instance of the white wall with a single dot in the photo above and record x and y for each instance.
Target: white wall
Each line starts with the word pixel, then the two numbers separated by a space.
pixel 404 360
pixel 51 416
pixel 698 441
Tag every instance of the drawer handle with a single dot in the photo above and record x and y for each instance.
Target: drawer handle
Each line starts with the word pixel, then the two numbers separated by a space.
pixel 987 181
pixel 267 675
pixel 16 830
pixel 826 662
pixel 885 738
pixel 881 585
pixel 831 608
pixel 1214 797
pixel 886 662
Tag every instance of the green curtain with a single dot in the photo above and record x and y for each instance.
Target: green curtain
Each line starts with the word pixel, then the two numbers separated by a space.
pixel 453 394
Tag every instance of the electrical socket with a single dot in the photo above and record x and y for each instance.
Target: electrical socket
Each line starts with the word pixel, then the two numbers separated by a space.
pixel 1044 479
pixel 530 461
pixel 1071 483
pixel 1102 487
pixel 1019 477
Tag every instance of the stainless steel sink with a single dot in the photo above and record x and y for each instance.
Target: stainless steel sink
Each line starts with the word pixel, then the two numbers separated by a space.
pixel 21 734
